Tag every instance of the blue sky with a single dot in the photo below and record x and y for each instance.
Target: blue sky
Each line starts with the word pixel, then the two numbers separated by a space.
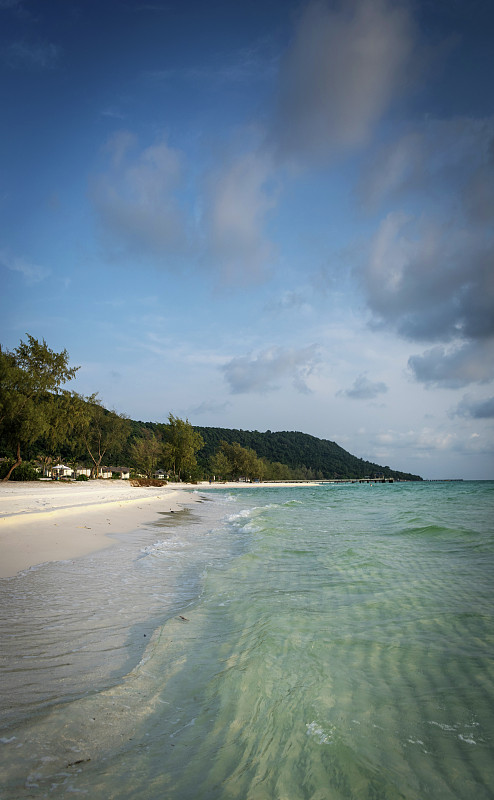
pixel 263 215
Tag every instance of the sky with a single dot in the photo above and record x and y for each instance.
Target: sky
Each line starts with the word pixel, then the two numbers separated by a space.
pixel 267 215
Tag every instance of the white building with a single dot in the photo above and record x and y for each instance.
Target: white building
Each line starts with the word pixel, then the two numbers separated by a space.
pixel 61 471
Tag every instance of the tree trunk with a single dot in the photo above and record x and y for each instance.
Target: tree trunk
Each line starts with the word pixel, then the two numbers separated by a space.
pixel 16 462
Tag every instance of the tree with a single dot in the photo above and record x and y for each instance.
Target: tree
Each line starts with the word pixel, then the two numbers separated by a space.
pixel 31 399
pixel 145 454
pixel 181 445
pixel 235 461
pixel 104 432
pixel 278 472
pixel 220 465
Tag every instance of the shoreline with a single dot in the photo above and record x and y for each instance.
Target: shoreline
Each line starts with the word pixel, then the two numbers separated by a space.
pixel 42 522
pixel 257 484
pixel 46 521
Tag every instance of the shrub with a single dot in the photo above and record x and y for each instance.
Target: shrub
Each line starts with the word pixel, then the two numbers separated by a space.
pixel 82 478
pixel 24 472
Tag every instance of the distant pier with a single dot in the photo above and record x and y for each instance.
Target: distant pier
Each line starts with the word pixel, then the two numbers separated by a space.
pixel 360 480
pixel 315 482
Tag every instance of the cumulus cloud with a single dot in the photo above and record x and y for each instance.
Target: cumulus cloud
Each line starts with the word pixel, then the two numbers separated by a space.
pixel 364 389
pixel 455 366
pixel 141 203
pixel 342 71
pixel 424 440
pixel 239 195
pixel 451 160
pixel 262 373
pixel 136 199
pixel 430 281
pixel 430 277
pixel 476 409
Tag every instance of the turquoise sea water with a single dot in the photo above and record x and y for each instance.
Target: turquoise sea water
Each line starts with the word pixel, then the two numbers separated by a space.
pixel 326 642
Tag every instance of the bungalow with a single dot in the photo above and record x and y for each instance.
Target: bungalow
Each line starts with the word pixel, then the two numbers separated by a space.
pixel 105 472
pixel 61 471
pixel 81 470
pixel 121 472
pixel 161 475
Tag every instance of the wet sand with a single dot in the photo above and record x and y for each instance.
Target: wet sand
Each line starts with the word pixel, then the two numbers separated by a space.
pixel 49 521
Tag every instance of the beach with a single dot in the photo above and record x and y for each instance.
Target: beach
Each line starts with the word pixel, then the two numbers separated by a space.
pixel 43 521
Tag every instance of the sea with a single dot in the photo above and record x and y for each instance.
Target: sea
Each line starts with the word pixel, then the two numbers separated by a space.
pixel 299 643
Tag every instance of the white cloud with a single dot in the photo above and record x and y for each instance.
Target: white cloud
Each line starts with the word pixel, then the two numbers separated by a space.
pixel 364 389
pixel 447 159
pixel 477 409
pixel 455 366
pixel 342 71
pixel 137 198
pixel 421 442
pixel 262 372
pixel 430 281
pixel 239 195
pixel 430 278
pixel 32 273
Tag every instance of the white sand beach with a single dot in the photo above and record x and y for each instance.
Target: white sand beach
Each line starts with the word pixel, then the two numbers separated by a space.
pixel 44 521
pixel 49 521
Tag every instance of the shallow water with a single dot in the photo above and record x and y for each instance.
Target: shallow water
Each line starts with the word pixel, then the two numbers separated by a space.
pixel 326 642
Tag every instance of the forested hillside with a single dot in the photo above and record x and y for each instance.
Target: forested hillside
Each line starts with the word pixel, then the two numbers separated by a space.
pixel 298 450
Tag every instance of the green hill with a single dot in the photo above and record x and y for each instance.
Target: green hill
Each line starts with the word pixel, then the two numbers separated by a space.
pixel 299 451
pixel 308 456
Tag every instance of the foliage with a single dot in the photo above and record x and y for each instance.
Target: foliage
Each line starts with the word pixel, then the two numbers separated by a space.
pixel 145 454
pixel 23 472
pixel 181 445
pixel 220 464
pixel 32 404
pixel 82 478
pixel 103 432
pixel 307 457
pixel 233 461
pixel 287 455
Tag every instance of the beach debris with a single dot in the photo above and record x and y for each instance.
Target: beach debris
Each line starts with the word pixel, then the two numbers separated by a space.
pixel 183 618
pixel 79 761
